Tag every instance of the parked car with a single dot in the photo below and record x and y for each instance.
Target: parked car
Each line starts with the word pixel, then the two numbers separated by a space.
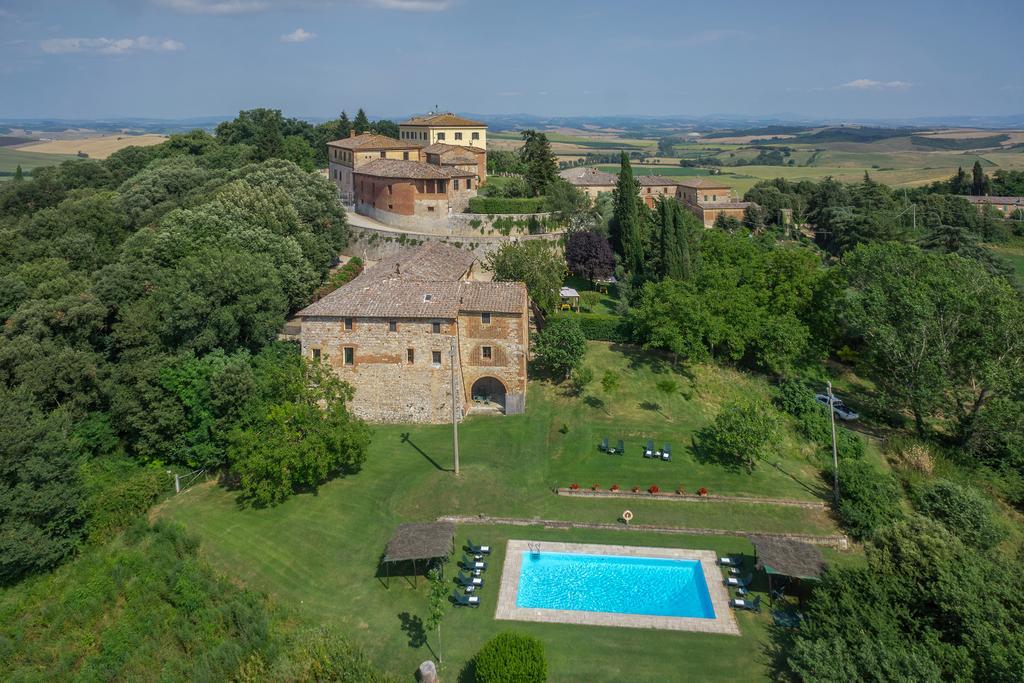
pixel 838 407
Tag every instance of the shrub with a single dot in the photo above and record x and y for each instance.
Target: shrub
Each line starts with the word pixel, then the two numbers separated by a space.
pixel 600 327
pixel 911 454
pixel 743 433
pixel 117 493
pixel 868 499
pixel 702 491
pixel 636 489
pixel 506 205
pixel 615 488
pixel 653 489
pixel 511 657
pixel 574 486
pixel 560 346
pixel 595 487
pixel 816 427
pixel 961 509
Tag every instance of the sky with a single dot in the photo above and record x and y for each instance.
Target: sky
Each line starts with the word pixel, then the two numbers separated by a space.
pixel 195 58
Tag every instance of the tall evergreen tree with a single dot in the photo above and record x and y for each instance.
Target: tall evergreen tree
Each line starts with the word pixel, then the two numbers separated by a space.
pixel 675 226
pixel 344 125
pixel 18 175
pixel 958 184
pixel 625 225
pixel 539 160
pixel 978 184
pixel 361 123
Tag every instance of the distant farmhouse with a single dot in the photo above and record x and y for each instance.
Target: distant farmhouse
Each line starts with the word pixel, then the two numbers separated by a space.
pixel 1005 205
pixel 391 330
pixel 706 199
pixel 416 181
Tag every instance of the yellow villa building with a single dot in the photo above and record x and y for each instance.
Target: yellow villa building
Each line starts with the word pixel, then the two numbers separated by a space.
pixel 446 128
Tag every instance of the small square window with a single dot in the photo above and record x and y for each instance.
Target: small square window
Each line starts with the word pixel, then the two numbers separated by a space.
pixel 316 354
pixel 350 355
pixel 392 326
pixel 405 156
pixel 476 136
pixel 383 155
pixel 427 297
pixel 486 352
pixel 410 356
pixel 430 209
pixel 485 318
pixel 435 357
pixel 348 323
pixel 455 184
pixel 440 136
pixel 435 328
pixel 458 136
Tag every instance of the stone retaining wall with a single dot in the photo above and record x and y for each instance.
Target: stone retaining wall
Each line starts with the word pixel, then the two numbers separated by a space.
pixel 839 541
pixel 376 243
pixel 693 498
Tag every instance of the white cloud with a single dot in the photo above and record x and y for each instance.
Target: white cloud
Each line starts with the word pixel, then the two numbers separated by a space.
pixel 869 84
pixel 299 35
pixel 109 46
pixel 249 6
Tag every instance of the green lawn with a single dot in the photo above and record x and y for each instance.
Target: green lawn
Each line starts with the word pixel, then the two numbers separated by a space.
pixel 318 552
pixel 1012 254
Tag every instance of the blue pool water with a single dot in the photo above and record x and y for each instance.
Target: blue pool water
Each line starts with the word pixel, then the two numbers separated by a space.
pixel 609 583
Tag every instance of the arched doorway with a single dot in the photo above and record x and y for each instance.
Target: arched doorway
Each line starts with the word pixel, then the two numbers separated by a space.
pixel 488 393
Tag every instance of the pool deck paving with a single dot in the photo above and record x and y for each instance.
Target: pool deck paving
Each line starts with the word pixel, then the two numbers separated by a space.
pixel 724 621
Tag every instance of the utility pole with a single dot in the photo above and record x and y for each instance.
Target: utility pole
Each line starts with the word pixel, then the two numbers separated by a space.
pixel 835 451
pixel 455 417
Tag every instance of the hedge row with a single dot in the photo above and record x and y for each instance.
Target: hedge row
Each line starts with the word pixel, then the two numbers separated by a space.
pixel 598 327
pixel 506 205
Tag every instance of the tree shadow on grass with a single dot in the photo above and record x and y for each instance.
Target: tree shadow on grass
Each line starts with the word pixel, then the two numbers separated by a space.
pixel 815 489
pixel 407 439
pixel 595 402
pixel 412 626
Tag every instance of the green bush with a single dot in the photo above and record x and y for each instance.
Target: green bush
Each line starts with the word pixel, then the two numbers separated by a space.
pixel 598 327
pixel 868 499
pixel 560 347
pixel 506 205
pixel 961 509
pixel 511 657
pixel 118 491
pixel 743 432
pixel 812 421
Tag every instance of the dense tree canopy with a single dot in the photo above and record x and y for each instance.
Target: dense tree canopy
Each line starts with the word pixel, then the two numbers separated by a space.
pixel 537 263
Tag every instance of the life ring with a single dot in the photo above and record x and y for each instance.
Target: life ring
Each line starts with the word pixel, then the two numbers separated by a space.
pixel 627 516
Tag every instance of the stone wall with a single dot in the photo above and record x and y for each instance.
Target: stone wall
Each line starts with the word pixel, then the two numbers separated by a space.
pixel 507 338
pixel 388 387
pixel 375 243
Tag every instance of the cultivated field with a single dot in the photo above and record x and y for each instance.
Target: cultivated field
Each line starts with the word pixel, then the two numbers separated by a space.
pixel 11 158
pixel 98 147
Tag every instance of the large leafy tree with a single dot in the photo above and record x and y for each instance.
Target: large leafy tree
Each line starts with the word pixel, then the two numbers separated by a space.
pixel 743 433
pixel 560 346
pixel 540 165
pixel 536 263
pixel 589 255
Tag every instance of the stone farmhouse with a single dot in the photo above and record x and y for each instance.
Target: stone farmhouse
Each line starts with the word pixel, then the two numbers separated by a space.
pixel 706 199
pixel 1004 205
pixel 399 331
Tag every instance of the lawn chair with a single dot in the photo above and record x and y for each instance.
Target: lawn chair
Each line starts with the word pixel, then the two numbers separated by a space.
pixel 666 453
pixel 749 605
pixel 733 582
pixel 649 450
pixel 619 448
pixel 604 445
pixel 477 549
pixel 469 581
pixel 466 600
pixel 730 561
pixel 471 565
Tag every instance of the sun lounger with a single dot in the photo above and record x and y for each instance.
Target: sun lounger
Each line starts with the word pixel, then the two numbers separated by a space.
pixel 730 561
pixel 733 582
pixel 619 447
pixel 604 445
pixel 466 600
pixel 467 563
pixel 468 581
pixel 649 449
pixel 749 605
pixel 666 453
pixel 477 549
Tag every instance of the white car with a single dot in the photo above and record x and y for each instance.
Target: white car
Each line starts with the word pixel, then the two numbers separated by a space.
pixel 838 407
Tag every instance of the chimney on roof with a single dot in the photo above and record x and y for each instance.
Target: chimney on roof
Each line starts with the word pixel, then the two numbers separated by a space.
pixel 352 132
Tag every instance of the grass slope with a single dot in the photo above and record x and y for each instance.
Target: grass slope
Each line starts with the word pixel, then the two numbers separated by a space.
pixel 319 552
pixel 11 158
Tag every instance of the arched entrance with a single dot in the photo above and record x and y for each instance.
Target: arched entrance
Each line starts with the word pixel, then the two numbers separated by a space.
pixel 488 393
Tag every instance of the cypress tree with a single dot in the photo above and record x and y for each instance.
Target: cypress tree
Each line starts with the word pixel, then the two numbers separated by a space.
pixel 362 123
pixel 958 185
pixel 344 125
pixel 18 175
pixel 978 186
pixel 626 218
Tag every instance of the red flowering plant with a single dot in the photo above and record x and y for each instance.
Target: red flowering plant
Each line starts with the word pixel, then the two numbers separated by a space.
pixel 574 487
pixel 702 491
pixel 615 488
pixel 653 489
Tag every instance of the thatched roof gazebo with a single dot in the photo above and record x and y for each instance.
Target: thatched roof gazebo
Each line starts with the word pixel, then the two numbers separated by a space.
pixel 419 542
pixel 788 558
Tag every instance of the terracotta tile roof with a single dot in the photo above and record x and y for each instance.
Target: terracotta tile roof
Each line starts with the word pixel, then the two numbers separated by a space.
pixel 424 284
pixel 585 175
pixel 445 119
pixel 1016 201
pixel 724 205
pixel 703 183
pixel 397 168
pixel 372 141
pixel 442 147
pixel 658 180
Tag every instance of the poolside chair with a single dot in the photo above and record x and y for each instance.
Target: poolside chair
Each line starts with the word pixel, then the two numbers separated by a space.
pixel 733 582
pixel 749 605
pixel 477 549
pixel 619 448
pixel 469 581
pixel 730 561
pixel 466 600
pixel 468 564
pixel 666 453
pixel 604 445
pixel 649 449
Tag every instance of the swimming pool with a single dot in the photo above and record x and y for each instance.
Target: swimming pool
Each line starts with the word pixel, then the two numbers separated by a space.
pixel 651 586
